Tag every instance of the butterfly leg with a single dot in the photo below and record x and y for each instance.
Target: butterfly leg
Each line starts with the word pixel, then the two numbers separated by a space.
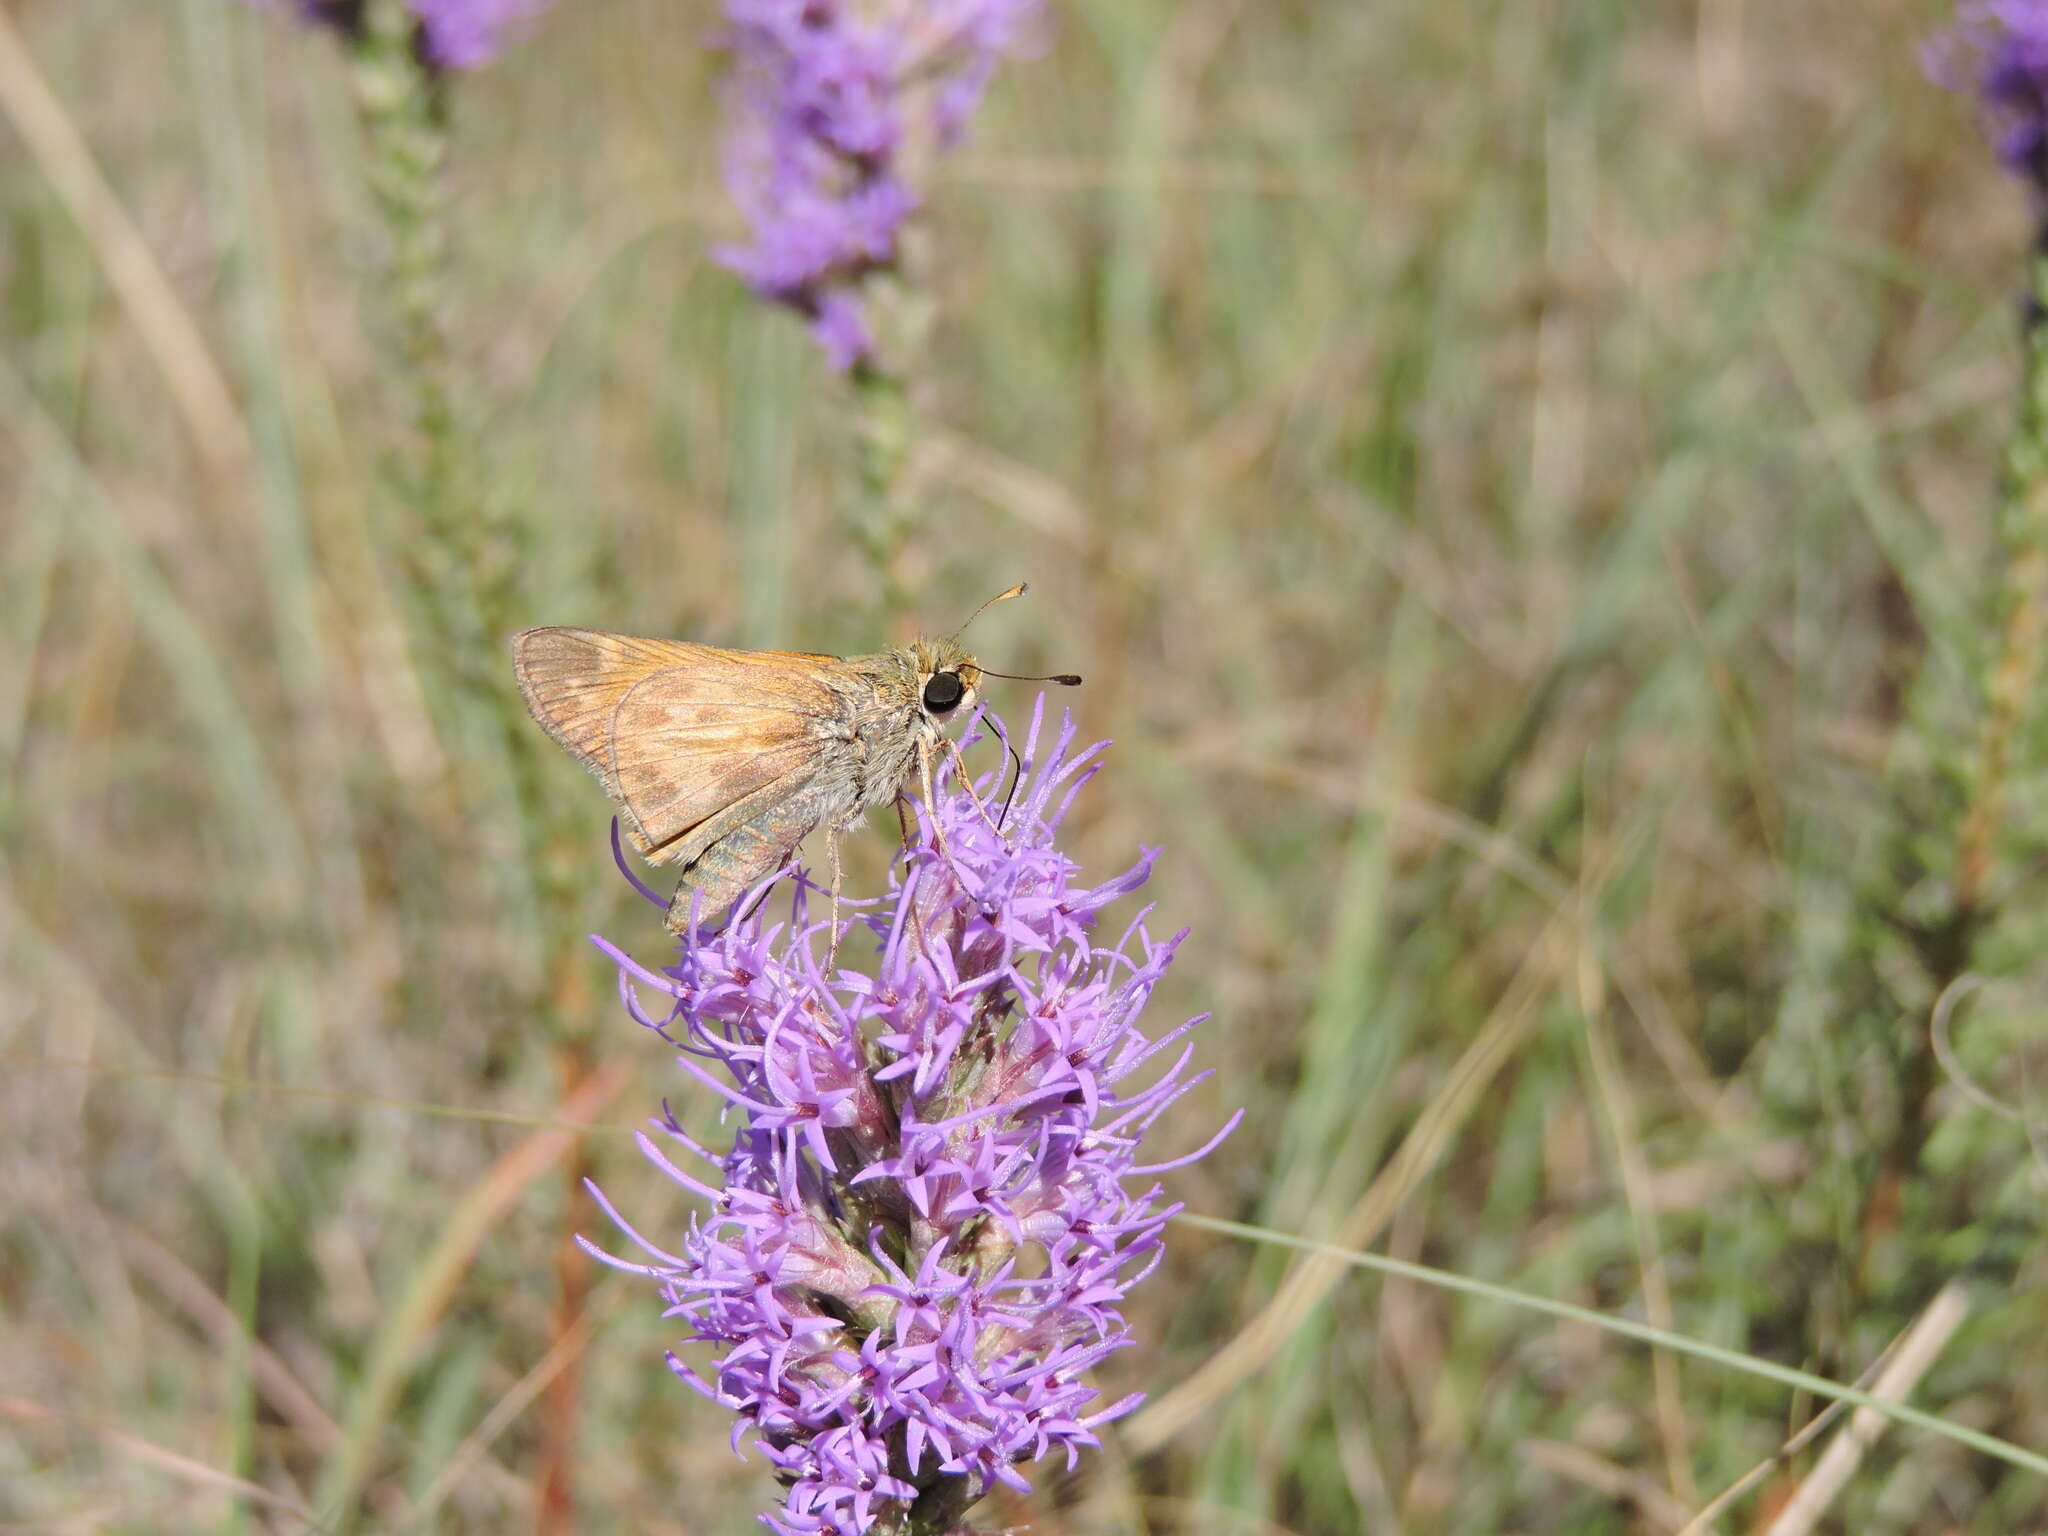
pixel 832 856
pixel 966 783
pixel 931 800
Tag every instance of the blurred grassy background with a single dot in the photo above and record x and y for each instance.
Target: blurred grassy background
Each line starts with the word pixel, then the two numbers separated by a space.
pixel 1500 468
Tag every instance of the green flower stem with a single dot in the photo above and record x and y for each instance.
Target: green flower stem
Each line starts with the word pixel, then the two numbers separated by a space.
pixel 2023 541
pixel 1921 917
pixel 408 144
pixel 890 514
pixel 887 516
pixel 462 557
pixel 464 562
pixel 1945 939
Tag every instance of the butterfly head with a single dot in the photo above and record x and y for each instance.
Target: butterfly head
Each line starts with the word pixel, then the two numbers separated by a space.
pixel 947 679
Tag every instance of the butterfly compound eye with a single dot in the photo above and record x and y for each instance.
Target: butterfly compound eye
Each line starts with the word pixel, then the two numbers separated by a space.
pixel 942 692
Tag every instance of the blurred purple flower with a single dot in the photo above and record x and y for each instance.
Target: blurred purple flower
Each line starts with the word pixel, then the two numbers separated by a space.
pixel 463 34
pixel 455 34
pixel 830 105
pixel 1998 49
pixel 920 1239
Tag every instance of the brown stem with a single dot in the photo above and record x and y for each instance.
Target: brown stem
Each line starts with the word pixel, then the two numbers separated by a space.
pixel 2012 684
pixel 555 1512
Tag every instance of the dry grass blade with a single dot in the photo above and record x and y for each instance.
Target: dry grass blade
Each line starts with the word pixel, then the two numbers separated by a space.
pixel 1581 1466
pixel 274 1379
pixel 186 1468
pixel 1620 1113
pixel 562 1353
pixel 406 1326
pixel 1258 1343
pixel 198 387
pixel 1809 1432
pixel 1917 1352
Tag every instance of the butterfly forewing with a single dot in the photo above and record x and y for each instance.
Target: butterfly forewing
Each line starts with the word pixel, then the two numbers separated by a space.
pixel 573 680
pixel 689 744
pixel 677 733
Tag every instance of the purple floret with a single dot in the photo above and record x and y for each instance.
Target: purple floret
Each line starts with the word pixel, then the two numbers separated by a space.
pixel 466 34
pixel 1998 49
pixel 918 1245
pixel 828 103
pixel 457 34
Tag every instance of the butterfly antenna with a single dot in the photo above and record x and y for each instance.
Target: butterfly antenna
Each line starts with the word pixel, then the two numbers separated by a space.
pixel 1064 679
pixel 1001 597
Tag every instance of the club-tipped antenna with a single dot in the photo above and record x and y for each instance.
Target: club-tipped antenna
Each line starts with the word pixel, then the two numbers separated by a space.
pixel 1001 597
pixel 1064 679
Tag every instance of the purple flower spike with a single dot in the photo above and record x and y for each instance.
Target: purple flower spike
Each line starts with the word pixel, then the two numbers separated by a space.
pixel 456 34
pixel 466 34
pixel 922 1234
pixel 830 104
pixel 1998 49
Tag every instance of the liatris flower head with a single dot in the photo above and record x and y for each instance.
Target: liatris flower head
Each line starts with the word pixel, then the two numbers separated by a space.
pixel 1998 49
pixel 834 107
pixel 920 1239
pixel 453 34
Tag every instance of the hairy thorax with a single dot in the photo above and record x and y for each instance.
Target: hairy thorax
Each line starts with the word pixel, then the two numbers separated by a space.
pixel 888 725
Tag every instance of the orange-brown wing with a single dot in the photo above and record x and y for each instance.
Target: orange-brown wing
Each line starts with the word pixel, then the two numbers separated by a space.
pixel 676 732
